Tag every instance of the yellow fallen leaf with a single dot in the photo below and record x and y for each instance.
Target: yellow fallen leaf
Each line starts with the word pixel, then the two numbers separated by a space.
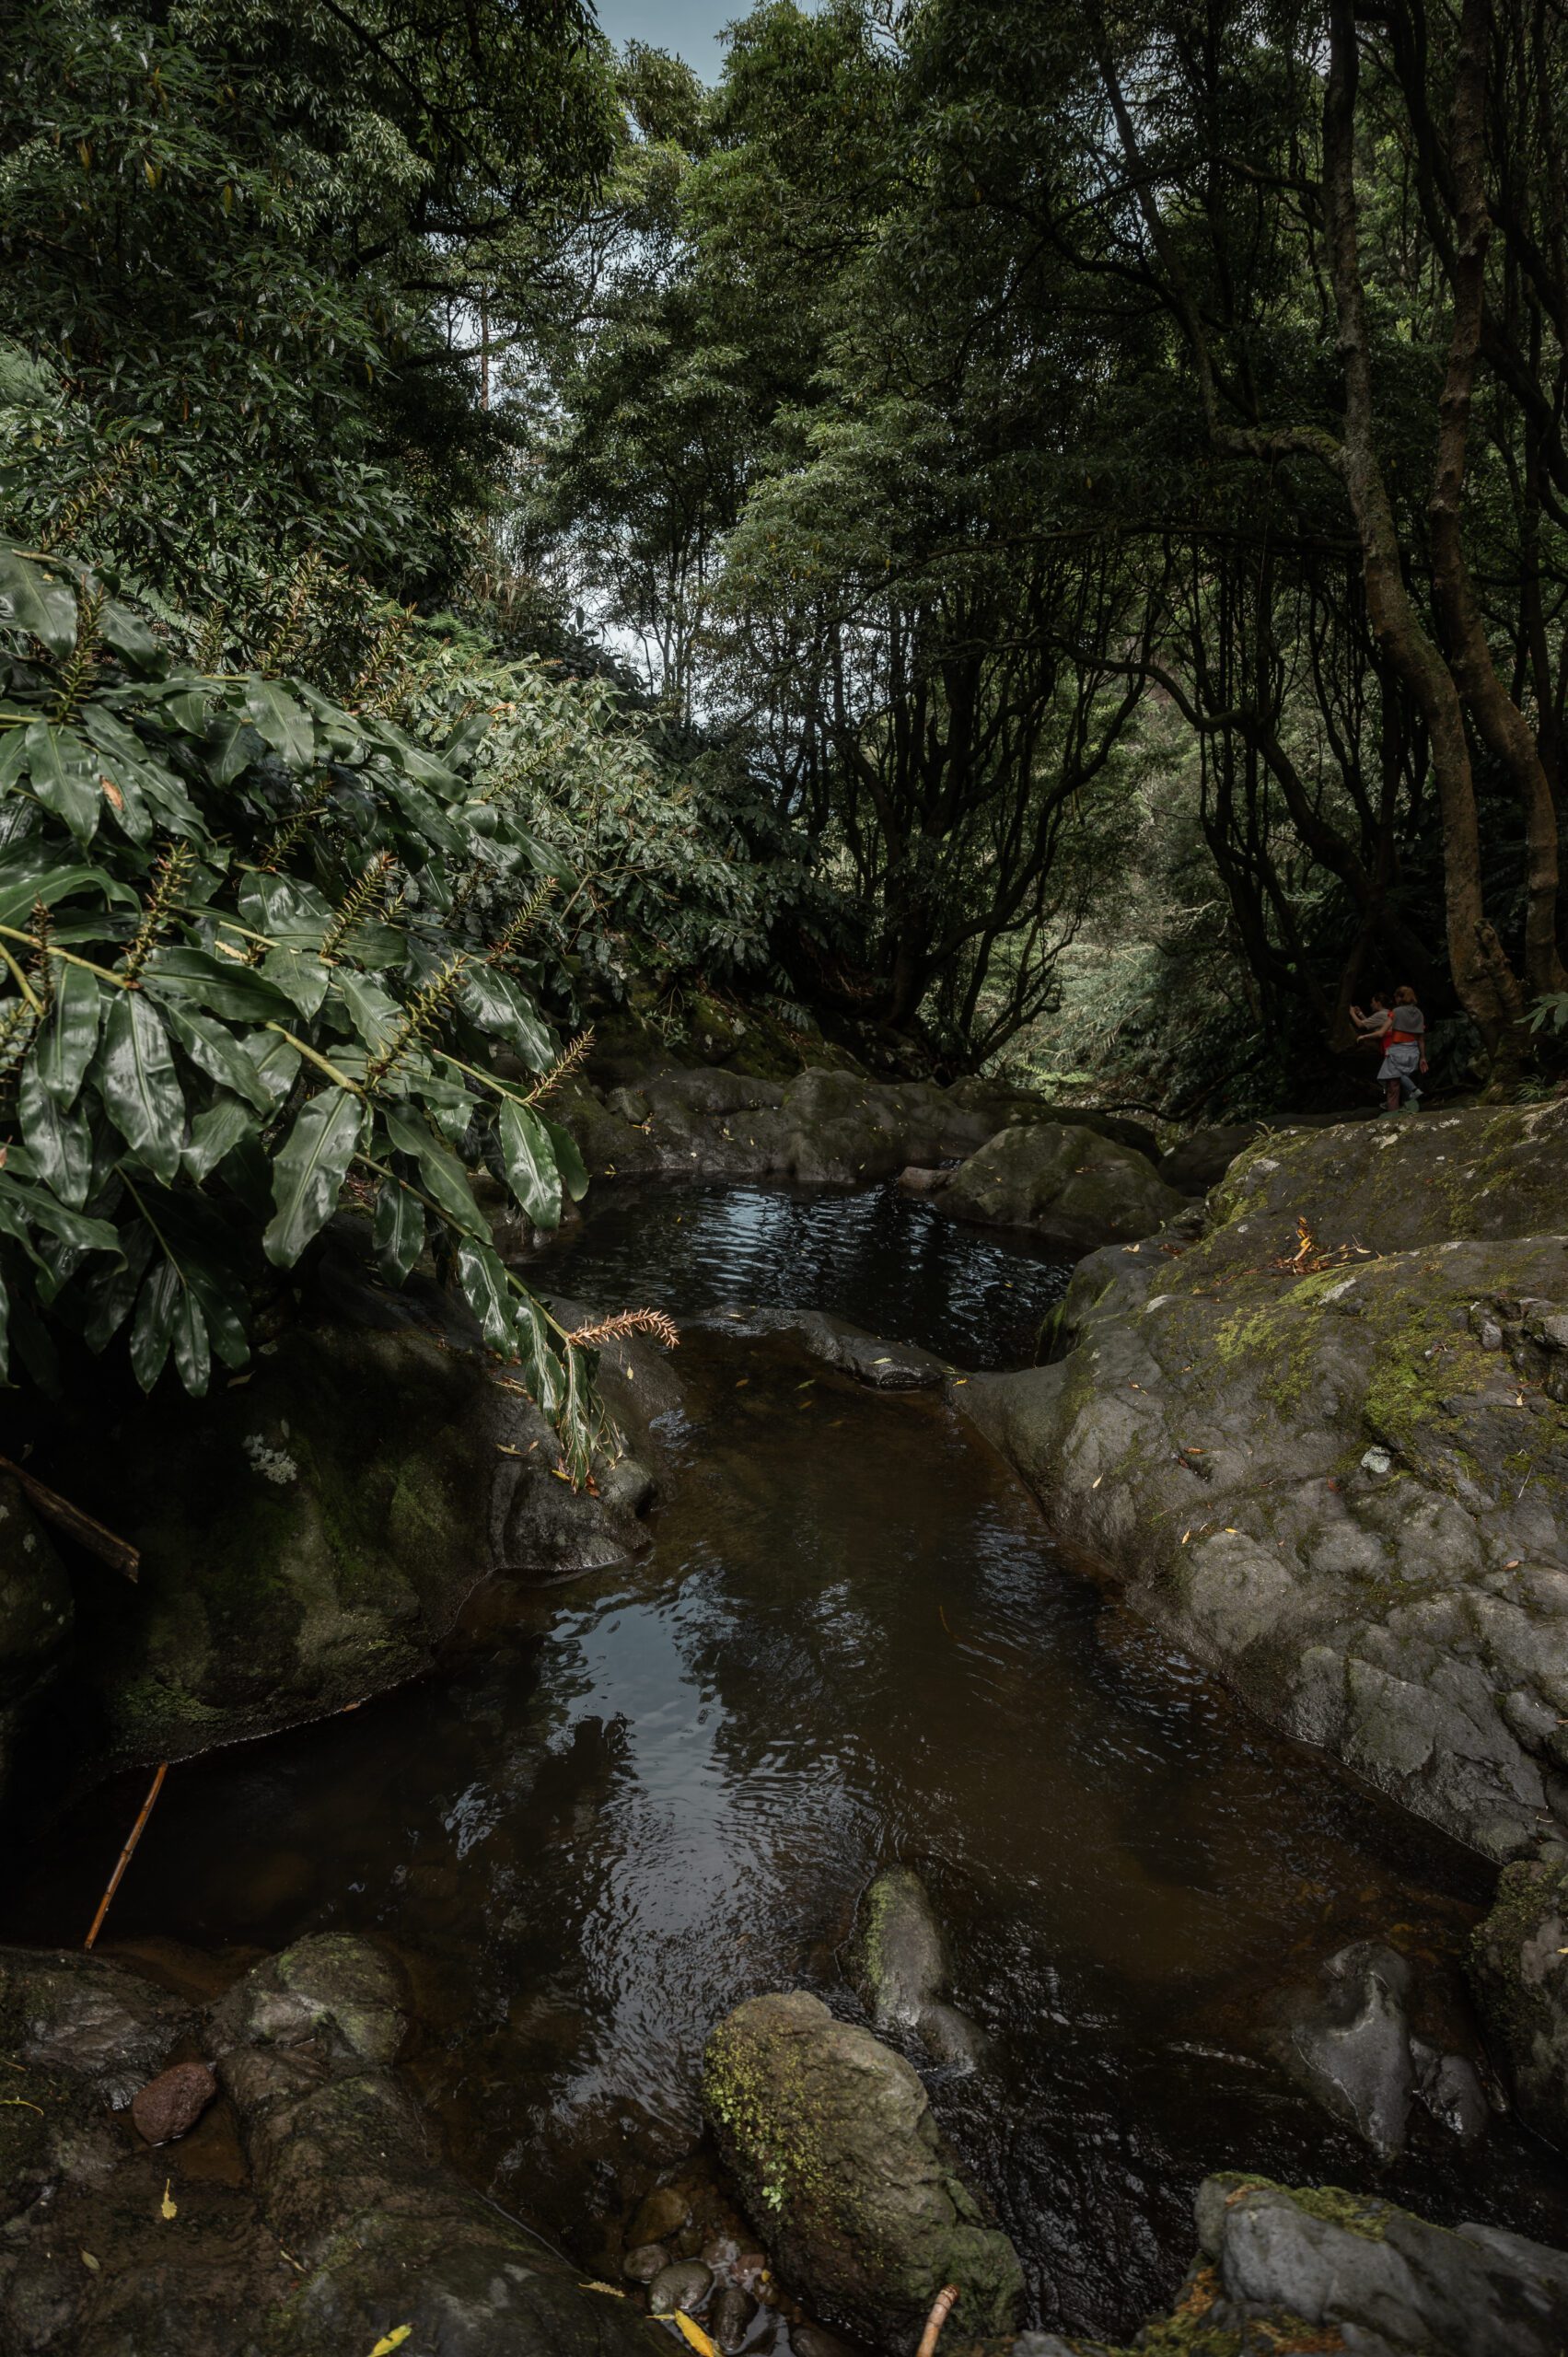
pixel 168 2208
pixel 695 2334
pixel 89 2260
pixel 390 2341
pixel 610 2291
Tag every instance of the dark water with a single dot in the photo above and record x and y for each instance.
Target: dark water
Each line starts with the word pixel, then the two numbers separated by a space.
pixel 619 1809
pixel 885 1260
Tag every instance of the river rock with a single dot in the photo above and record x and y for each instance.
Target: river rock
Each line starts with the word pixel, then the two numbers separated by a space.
pixel 1519 1966
pixel 170 2105
pixel 730 2318
pixel 687 2285
pixel 829 2138
pixel 1318 1468
pixel 1062 1182
pixel 69 2010
pixel 883 1366
pixel 659 2215
pixel 898 1961
pixel 644 2261
pixel 1363 2275
pixel 1350 2044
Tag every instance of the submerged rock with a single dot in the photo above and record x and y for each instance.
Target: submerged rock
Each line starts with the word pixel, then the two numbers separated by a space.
pixel 169 2106
pixel 687 2285
pixel 1062 1182
pixel 1520 1965
pixel 1351 2044
pixel 829 2138
pixel 1321 1472
pixel 900 1963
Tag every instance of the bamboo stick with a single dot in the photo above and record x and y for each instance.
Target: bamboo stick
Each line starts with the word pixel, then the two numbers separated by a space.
pixel 124 1859
pixel 941 2309
pixel 117 1552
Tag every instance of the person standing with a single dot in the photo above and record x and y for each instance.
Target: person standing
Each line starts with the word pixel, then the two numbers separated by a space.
pixel 1404 1051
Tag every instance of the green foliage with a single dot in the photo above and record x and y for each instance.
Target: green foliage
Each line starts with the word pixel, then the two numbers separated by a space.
pixel 240 980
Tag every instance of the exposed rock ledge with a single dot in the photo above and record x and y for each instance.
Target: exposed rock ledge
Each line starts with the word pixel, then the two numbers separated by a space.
pixel 1343 1483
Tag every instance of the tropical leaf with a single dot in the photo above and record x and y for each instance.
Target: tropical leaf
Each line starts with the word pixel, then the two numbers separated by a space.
pixel 530 1158
pixel 137 1081
pixel 483 1281
pixel 309 1173
pixel 68 1037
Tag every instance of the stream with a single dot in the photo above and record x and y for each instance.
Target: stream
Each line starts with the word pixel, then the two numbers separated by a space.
pixel 618 1808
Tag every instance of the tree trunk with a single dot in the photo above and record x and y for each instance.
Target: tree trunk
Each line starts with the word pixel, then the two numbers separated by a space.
pixel 1501 723
pixel 1486 984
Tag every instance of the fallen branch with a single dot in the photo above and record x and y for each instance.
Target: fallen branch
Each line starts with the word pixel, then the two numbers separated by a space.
pixel 125 1855
pixel 117 1554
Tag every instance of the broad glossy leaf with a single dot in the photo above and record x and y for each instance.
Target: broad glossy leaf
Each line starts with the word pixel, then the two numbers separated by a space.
pixel 137 1082
pixel 568 1161
pixel 309 1173
pixel 25 1207
pixel 34 870
pixel 64 772
pixel 301 976
pixel 529 1157
pixel 399 1232
pixel 542 1370
pixel 177 971
pixel 496 1004
pixel 283 724
pixel 490 1298
pixel 111 1291
pixel 444 1180
pixel 58 1138
pixel 65 1044
pixel 216 1133
pixel 153 1329
pixel 277 1062
pixel 285 910
pixel 31 600
pixel 374 1011
pixel 220 1055
pixel 193 1357
pixel 126 635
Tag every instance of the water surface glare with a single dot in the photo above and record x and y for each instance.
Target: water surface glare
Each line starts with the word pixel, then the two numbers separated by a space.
pixel 620 1808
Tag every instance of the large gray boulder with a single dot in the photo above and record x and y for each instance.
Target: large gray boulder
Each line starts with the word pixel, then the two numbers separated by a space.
pixel 1519 1966
pixel 1326 1446
pixel 1348 2041
pixel 1062 1182
pixel 830 2138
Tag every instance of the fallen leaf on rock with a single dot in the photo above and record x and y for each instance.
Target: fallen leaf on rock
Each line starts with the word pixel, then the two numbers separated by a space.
pixel 89 2260
pixel 390 2341
pixel 695 2334
pixel 167 2207
pixel 610 2291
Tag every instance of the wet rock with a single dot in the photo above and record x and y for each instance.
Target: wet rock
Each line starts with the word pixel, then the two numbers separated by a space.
pixel 644 2261
pixel 1041 2344
pixel 883 1366
pixel 829 2138
pixel 686 2285
pixel 731 2319
pixel 309 1536
pixel 1520 1972
pixel 898 1961
pixel 1312 1477
pixel 921 1179
pixel 720 2252
pixel 810 2341
pixel 1061 1182
pixel 170 2105
pixel 1350 2045
pixel 76 2012
pixel 1449 2086
pixel 1277 2264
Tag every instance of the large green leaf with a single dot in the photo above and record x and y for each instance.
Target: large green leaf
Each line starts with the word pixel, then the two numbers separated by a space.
pixel 33 602
pixel 220 1055
pixel 69 1033
pixel 568 1161
pixel 444 1180
pixel 483 1281
pixel 281 722
pixel 153 1329
pixel 58 1138
pixel 529 1159
pixel 277 1062
pixel 216 1133
pixel 137 1082
pixel 34 870
pixel 309 1171
pixel 177 971
pixel 399 1231
pixel 65 776
pixel 498 1005
pixel 25 1210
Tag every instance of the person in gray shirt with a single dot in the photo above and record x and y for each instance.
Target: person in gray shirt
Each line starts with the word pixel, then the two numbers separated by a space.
pixel 1404 1051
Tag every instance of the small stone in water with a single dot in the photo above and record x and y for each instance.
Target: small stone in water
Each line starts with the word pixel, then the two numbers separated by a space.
pixel 172 2103
pixel 686 2285
pixel 812 2340
pixel 644 2262
pixel 660 2217
pixel 730 2321
pixel 720 2252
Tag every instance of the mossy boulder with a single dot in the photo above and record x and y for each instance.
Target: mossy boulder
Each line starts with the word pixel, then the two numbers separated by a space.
pixel 1520 1965
pixel 1325 1445
pixel 1062 1182
pixel 899 1963
pixel 830 2138
pixel 309 1534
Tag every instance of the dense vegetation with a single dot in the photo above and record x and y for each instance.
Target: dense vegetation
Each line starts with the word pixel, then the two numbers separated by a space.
pixel 1032 533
